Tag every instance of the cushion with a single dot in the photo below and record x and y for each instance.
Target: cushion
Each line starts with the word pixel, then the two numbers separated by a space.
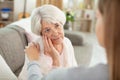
pixel 75 37
pixel 12 44
pixel 5 71
pixel 24 23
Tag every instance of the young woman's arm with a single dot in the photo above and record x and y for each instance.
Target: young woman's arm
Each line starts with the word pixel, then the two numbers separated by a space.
pixel 34 72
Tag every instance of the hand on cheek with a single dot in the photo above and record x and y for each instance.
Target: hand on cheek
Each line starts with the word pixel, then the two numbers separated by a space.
pixel 51 51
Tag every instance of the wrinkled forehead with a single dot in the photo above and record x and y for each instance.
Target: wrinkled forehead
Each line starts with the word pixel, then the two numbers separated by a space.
pixel 46 24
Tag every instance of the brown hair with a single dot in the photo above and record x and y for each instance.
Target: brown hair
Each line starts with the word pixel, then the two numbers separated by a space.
pixel 111 14
pixel 101 6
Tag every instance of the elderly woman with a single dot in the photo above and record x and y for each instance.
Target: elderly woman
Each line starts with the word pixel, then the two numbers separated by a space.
pixel 55 49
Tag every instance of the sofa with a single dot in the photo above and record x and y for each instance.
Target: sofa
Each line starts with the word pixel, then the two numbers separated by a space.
pixel 12 44
pixel 13 41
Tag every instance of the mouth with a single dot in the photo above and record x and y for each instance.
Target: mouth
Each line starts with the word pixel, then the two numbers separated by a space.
pixel 56 38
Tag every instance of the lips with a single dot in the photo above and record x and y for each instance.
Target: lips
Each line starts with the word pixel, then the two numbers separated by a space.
pixel 57 38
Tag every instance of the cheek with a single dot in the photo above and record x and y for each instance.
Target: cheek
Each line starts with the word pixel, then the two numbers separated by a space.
pixel 62 33
pixel 100 31
pixel 49 36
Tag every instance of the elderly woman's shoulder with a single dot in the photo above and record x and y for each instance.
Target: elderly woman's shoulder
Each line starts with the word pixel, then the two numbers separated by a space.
pixel 67 40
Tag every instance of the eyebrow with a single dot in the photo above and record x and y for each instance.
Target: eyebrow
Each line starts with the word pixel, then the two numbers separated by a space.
pixel 56 24
pixel 48 27
pixel 45 28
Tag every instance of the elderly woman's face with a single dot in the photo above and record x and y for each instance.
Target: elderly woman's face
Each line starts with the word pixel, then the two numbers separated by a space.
pixel 53 31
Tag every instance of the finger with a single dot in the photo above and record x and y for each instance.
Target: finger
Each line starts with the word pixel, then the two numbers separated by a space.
pixel 38 46
pixel 50 43
pixel 34 44
pixel 43 38
pixel 46 46
pixel 29 44
pixel 45 52
pixel 46 41
pixel 24 50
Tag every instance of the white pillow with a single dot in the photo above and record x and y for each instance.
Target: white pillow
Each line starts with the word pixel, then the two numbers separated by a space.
pixel 23 23
pixel 31 36
pixel 5 71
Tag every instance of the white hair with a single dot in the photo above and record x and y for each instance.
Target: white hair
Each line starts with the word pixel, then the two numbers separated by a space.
pixel 48 13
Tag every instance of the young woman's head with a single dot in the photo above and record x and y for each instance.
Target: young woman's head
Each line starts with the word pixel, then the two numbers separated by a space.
pixel 110 33
pixel 100 23
pixel 48 20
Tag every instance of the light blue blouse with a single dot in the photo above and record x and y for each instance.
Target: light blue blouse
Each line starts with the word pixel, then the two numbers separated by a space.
pixel 99 72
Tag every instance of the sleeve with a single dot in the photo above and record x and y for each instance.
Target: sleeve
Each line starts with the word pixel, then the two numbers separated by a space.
pixel 34 72
pixel 74 62
pixel 71 54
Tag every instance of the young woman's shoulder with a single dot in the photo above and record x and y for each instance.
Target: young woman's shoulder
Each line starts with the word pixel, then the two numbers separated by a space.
pixel 99 72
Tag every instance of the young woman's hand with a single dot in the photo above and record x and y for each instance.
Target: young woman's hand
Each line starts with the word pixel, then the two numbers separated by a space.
pixel 33 51
pixel 50 50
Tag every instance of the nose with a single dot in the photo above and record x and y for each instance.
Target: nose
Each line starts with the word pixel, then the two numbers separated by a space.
pixel 54 33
